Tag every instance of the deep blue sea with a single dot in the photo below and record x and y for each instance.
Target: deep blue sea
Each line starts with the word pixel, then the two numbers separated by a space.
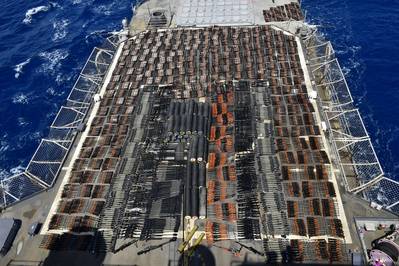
pixel 44 44
pixel 365 36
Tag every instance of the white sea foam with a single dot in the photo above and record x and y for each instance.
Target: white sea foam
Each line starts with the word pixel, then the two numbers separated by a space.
pixel 4 174
pixel 51 115
pixel 4 145
pixel 60 29
pixel 355 48
pixel 20 98
pixel 13 171
pixel 51 91
pixel 17 170
pixel 33 11
pixel 104 9
pixel 351 66
pixel 60 79
pixel 36 136
pixel 18 68
pixel 22 122
pixel 52 60
pixel 94 34
pixel 345 71
pixel 54 4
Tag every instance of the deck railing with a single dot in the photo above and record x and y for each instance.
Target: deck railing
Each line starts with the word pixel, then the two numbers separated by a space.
pixel 48 159
pixel 357 161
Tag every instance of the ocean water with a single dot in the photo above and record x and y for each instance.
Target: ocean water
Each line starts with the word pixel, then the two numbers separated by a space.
pixel 44 44
pixel 365 35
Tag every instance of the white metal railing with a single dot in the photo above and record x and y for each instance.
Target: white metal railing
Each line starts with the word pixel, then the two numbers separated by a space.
pixel 360 168
pixel 46 162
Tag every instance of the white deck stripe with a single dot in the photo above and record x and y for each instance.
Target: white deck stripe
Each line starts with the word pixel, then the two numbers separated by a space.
pixel 76 153
pixel 341 211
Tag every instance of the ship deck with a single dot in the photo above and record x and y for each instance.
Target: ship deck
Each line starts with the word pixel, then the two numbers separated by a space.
pixel 207 118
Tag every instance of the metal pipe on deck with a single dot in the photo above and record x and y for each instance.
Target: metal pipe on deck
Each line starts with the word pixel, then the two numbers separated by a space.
pixel 194 180
pixel 189 123
pixel 195 108
pixel 171 108
pixel 170 125
pixel 190 107
pixel 183 121
pixel 200 109
pixel 176 124
pixel 195 124
pixel 202 175
pixel 200 125
pixel 194 202
pixel 187 191
pixel 206 148
pixel 193 148
pixel 205 110
pixel 183 108
pixel 189 173
pixel 202 202
pixel 201 149
pixel 177 109
pixel 207 126
pixel 187 203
